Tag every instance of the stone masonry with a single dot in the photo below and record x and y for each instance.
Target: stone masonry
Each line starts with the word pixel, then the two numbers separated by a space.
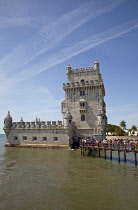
pixel 84 114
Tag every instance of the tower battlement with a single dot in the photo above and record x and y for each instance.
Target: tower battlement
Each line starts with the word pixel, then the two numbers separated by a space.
pixel 37 125
pixel 89 68
pixel 82 84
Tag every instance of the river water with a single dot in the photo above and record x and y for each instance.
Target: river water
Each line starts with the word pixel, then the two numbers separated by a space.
pixel 60 179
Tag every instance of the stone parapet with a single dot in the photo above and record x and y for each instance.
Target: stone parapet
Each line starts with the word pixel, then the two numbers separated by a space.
pixel 84 84
pixel 37 125
pixel 89 68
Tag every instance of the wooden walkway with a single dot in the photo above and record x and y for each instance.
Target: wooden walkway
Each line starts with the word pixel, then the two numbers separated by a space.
pixel 91 148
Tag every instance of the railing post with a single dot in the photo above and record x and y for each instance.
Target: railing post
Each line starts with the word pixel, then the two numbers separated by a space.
pixel 104 152
pixel 83 151
pixel 110 153
pixel 135 156
pixel 118 156
pixel 125 152
pixel 99 149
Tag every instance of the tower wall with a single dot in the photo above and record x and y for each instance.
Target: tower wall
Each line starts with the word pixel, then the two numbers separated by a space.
pixel 49 137
pixel 84 97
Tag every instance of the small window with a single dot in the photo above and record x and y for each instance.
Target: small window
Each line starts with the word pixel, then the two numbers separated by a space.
pixel 82 81
pixel 82 93
pixel 69 121
pixel 55 138
pixel 82 104
pixel 34 138
pixel 44 138
pixel 82 117
pixel 24 137
pixel 15 137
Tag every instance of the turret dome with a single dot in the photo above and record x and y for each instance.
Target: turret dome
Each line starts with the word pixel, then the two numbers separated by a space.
pixel 8 117
pixel 68 69
pixel 96 65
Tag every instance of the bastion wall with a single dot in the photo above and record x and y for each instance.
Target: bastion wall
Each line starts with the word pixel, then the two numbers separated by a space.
pixel 38 136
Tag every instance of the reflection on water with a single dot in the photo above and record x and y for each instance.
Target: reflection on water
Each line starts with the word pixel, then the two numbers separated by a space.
pixel 63 179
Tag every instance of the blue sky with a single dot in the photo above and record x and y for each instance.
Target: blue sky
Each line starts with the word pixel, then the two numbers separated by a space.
pixel 39 38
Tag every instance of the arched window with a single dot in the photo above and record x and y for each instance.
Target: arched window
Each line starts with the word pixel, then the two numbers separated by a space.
pixel 82 81
pixel 82 117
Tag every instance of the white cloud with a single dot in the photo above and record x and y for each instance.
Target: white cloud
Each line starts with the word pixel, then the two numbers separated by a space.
pixel 71 51
pixel 31 21
pixel 51 34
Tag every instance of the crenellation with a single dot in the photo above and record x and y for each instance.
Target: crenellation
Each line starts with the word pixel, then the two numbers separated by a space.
pixel 32 125
pixel 60 123
pixel 18 125
pixel 54 124
pixel 14 125
pixel 27 124
pixel 37 124
pixel 22 125
pixel 43 124
pixel 82 69
pixel 48 124
pixel 87 83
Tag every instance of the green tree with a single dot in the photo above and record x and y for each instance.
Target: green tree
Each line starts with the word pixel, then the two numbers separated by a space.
pixel 115 130
pixel 123 124
pixel 134 128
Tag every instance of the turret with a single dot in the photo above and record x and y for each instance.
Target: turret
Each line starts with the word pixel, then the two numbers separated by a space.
pixel 68 69
pixel 7 124
pixel 67 120
pixel 96 65
pixel 8 121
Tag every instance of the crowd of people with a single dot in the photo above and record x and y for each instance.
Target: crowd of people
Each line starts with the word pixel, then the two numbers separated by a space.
pixel 88 139
pixel 110 141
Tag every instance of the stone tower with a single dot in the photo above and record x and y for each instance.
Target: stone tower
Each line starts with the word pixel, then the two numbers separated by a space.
pixel 84 99
pixel 7 124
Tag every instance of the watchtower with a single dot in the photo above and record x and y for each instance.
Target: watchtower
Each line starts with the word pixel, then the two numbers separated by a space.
pixel 84 99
